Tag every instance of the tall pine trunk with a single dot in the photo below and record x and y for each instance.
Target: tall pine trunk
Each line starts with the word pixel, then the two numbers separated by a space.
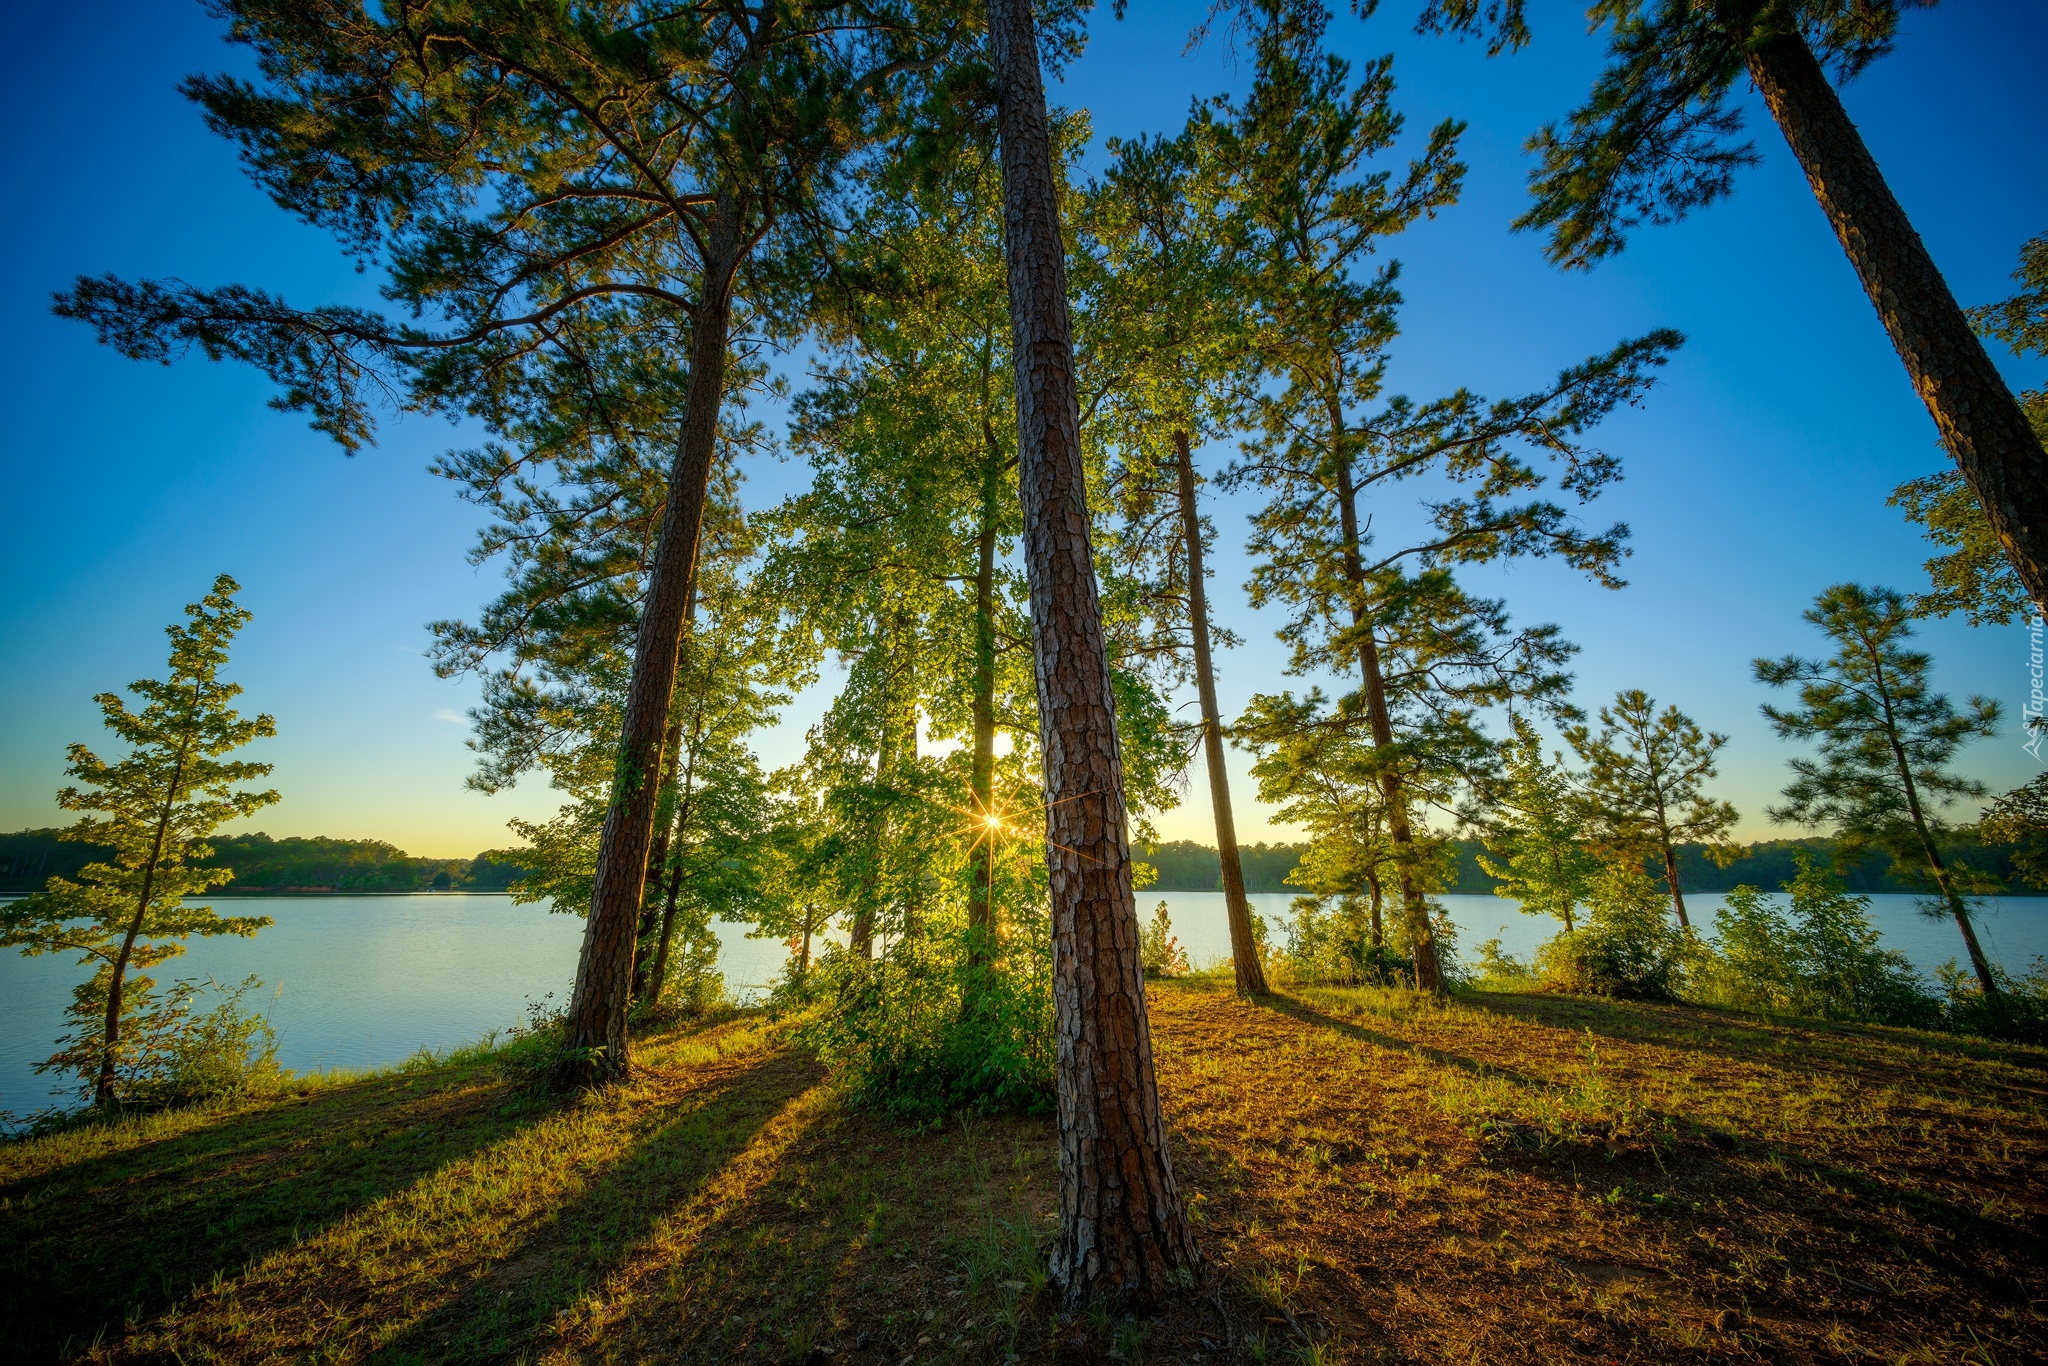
pixel 1414 905
pixel 1980 421
pixel 595 1046
pixel 1123 1235
pixel 1244 950
pixel 981 909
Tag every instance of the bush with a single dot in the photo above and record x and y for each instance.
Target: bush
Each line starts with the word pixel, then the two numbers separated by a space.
pixel 1819 957
pixel 2020 1013
pixel 1627 947
pixel 924 1031
pixel 1158 950
pixel 1499 971
pixel 1330 942
pixel 171 1052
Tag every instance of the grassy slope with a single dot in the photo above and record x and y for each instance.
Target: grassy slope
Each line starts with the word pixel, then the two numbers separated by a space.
pixel 1375 1178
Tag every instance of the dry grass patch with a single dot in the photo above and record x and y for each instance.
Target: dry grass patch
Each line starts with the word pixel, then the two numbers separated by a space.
pixel 1375 1178
pixel 1542 1179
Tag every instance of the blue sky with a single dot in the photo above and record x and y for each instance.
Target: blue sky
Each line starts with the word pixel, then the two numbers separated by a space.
pixel 1756 473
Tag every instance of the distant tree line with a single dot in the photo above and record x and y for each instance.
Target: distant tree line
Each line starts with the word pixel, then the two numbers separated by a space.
pixel 1185 866
pixel 28 858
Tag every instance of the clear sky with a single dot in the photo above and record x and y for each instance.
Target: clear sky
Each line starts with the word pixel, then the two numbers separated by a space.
pixel 1756 473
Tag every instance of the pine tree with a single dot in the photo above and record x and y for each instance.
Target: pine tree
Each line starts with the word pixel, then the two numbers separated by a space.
pixel 1886 739
pixel 1645 780
pixel 1657 138
pixel 155 808
pixel 1167 324
pixel 529 173
pixel 1536 821
pixel 1974 575
pixel 1308 217
pixel 1123 1236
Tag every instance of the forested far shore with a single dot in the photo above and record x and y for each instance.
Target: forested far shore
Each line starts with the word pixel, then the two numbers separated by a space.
pixel 1185 866
pixel 320 864
pixel 30 858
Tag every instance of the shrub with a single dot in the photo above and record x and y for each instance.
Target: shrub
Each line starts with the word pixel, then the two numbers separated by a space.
pixel 1159 951
pixel 2020 1012
pixel 171 1051
pixel 1330 942
pixel 924 1030
pixel 1499 971
pixel 1818 956
pixel 1627 947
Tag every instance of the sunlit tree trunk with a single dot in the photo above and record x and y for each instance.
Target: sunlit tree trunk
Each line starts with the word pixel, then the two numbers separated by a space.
pixel 1414 905
pixel 1250 976
pixel 595 1045
pixel 1944 880
pixel 656 883
pixel 1123 1235
pixel 110 1044
pixel 981 915
pixel 1980 421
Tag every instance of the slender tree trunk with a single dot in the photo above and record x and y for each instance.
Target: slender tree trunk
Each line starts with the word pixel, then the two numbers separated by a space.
pixel 658 978
pixel 1677 897
pixel 1379 936
pixel 110 1042
pixel 1414 905
pixel 1942 881
pixel 1244 951
pixel 1123 1235
pixel 1980 421
pixel 981 910
pixel 861 939
pixel 657 865
pixel 595 1048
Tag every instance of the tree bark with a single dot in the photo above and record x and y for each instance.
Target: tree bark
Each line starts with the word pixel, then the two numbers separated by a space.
pixel 595 1046
pixel 110 1042
pixel 1414 905
pixel 1980 421
pixel 981 910
pixel 1250 975
pixel 1677 897
pixel 657 865
pixel 1123 1235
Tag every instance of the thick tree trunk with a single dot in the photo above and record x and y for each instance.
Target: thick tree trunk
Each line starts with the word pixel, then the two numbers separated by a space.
pixel 1123 1235
pixel 1244 950
pixel 595 1047
pixel 981 910
pixel 1414 905
pixel 1980 421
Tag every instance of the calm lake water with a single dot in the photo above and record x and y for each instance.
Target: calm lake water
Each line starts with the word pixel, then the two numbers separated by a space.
pixel 367 981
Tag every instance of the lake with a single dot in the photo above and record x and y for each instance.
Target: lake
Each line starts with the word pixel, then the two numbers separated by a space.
pixel 367 981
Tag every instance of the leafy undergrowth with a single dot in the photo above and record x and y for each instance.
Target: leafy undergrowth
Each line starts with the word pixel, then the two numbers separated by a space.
pixel 1375 1178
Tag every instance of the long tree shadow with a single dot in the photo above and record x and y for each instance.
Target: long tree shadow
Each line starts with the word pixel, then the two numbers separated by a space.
pixel 495 1300
pixel 1820 1226
pixel 1297 1009
pixel 848 1233
pixel 124 1232
pixel 1811 1047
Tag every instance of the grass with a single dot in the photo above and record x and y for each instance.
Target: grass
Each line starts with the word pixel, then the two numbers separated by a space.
pixel 1374 1177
